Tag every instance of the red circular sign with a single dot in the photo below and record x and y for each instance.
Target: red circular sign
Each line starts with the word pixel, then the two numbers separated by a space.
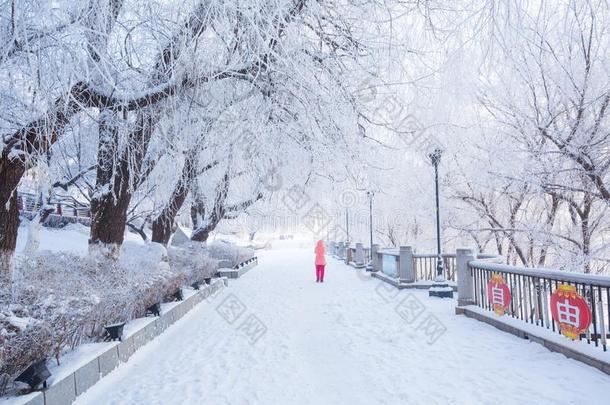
pixel 498 294
pixel 570 310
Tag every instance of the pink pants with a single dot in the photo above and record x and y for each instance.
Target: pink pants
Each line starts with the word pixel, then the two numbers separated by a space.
pixel 320 272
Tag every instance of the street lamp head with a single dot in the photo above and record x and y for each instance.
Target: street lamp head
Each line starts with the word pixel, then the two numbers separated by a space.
pixel 435 156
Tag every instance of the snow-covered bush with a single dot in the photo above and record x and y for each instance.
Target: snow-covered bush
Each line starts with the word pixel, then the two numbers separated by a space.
pixel 75 295
pixel 150 275
pixel 23 340
pixel 59 300
pixel 226 251
pixel 156 287
pixel 193 260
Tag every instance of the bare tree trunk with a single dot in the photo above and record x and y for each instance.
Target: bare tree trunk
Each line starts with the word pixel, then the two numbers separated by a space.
pixel 105 204
pixel 9 216
pixel 162 224
pixel 201 232
pixel 115 172
pixel 108 220
pixel 32 140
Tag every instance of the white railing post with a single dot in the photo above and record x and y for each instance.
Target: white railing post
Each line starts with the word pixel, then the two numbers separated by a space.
pixel 375 262
pixel 348 253
pixel 406 272
pixel 465 285
pixel 359 255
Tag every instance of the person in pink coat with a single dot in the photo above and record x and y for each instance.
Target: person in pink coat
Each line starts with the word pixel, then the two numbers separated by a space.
pixel 320 250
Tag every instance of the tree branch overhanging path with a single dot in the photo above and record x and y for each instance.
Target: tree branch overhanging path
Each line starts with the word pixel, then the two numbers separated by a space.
pixel 108 95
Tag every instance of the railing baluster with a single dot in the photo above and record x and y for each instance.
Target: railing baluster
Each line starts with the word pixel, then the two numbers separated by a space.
pixel 487 278
pixel 475 280
pixel 536 300
pixel 482 290
pixel 583 293
pixel 600 311
pixel 511 283
pixel 608 306
pixel 481 296
pixel 424 268
pixel 556 286
pixel 545 304
pixel 484 287
pixel 593 314
pixel 424 263
pixel 520 299
pixel 476 287
pixel 526 295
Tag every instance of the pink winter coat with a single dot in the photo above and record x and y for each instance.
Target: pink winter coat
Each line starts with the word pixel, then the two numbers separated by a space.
pixel 320 250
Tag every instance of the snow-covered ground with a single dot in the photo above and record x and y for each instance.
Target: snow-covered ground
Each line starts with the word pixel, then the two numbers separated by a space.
pixel 73 238
pixel 341 342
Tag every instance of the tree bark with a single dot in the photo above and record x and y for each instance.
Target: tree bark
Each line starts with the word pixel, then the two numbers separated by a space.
pixel 113 191
pixel 203 233
pixel 162 224
pixel 220 211
pixel 200 234
pixel 9 216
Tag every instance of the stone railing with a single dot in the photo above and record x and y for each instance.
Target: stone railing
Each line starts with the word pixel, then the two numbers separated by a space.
pixel 402 264
pixel 533 303
pixel 530 295
pixel 539 304
pixel 356 255
pixel 406 265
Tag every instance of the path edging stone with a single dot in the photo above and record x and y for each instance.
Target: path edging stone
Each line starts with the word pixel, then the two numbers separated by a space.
pixel 237 273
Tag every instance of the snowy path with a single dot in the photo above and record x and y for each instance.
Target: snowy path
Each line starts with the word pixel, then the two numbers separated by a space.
pixel 339 343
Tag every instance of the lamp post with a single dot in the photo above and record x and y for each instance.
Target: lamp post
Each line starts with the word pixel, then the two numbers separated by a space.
pixel 347 251
pixel 347 224
pixel 439 288
pixel 370 195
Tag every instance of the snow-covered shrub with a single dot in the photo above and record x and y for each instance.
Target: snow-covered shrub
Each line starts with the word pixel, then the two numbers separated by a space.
pixel 59 299
pixel 23 340
pixel 76 295
pixel 63 300
pixel 226 251
pixel 193 260
pixel 137 257
pixel 149 275
pixel 157 286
